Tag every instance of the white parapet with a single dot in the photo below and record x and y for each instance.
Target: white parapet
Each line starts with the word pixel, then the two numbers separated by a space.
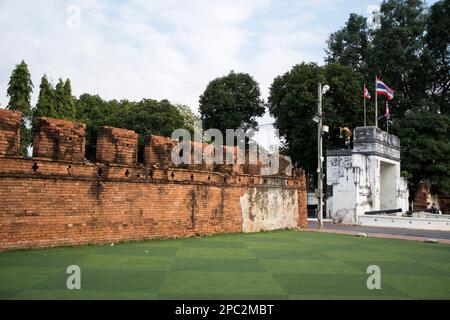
pixel 441 223
pixel 365 178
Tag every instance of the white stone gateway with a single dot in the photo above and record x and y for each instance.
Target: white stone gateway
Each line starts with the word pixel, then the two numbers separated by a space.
pixel 365 178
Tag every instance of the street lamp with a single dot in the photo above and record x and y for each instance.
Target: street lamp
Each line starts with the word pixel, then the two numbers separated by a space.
pixel 320 130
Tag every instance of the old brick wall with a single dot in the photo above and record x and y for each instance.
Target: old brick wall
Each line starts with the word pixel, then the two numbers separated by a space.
pixel 116 145
pixel 157 151
pixel 59 140
pixel 49 203
pixel 10 122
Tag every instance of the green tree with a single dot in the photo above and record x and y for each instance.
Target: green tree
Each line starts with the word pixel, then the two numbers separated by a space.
pixel 394 51
pixel 60 100
pixel 397 47
pixel 93 111
pixel 19 91
pixel 350 45
pixel 293 103
pixel 45 106
pixel 410 51
pixel 425 147
pixel 343 104
pixel 69 102
pixel 64 102
pixel 436 60
pixel 231 102
pixel 190 118
pixel 144 117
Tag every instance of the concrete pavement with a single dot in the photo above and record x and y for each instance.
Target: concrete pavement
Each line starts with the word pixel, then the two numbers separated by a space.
pixel 382 232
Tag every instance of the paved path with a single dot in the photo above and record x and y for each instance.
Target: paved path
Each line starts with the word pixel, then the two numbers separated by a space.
pixel 381 232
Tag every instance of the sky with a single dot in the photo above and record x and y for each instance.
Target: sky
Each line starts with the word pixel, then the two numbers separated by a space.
pixel 164 49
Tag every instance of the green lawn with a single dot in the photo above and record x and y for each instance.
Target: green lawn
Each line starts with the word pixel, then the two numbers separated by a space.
pixel 275 265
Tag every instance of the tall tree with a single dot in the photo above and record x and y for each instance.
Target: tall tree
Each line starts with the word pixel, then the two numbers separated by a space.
pixel 60 99
pixel 411 52
pixel 350 45
pixel 396 51
pixel 231 102
pixel 19 90
pixel 64 102
pixel 393 51
pixel 45 106
pixel 425 147
pixel 93 111
pixel 343 104
pixel 69 103
pixel 436 60
pixel 293 103
pixel 190 118
pixel 145 117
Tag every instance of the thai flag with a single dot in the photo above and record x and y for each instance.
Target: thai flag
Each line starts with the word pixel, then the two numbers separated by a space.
pixel 382 88
pixel 366 93
pixel 387 115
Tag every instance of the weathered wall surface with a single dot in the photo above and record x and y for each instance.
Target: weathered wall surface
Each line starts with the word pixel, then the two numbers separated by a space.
pixel 366 178
pixel 48 203
pixel 117 146
pixel 423 196
pixel 9 132
pixel 59 140
pixel 269 208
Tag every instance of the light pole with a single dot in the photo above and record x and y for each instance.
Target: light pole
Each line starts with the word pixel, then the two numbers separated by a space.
pixel 320 129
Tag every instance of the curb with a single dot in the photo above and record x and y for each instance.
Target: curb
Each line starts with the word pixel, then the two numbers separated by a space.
pixel 379 235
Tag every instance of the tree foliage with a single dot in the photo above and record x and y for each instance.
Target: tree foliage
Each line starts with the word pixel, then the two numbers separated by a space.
pixel 145 117
pixel 19 91
pixel 411 52
pixel 231 102
pixel 436 59
pixel 191 120
pixel 425 148
pixel 64 102
pixel 45 106
pixel 293 104
pixel 350 45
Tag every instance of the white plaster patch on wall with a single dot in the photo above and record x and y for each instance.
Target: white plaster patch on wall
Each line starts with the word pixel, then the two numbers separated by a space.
pixel 366 178
pixel 266 209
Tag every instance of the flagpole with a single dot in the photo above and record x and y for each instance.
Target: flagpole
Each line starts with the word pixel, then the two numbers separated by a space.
pixel 376 103
pixel 364 98
pixel 387 118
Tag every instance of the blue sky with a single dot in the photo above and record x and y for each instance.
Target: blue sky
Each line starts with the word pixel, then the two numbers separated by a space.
pixel 160 49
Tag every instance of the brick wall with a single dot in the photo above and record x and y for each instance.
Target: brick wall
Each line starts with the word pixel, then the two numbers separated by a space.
pixel 157 151
pixel 59 140
pixel 421 196
pixel 10 122
pixel 49 203
pixel 117 146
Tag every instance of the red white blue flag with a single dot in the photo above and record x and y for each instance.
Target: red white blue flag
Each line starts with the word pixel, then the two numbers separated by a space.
pixel 366 93
pixel 387 115
pixel 383 89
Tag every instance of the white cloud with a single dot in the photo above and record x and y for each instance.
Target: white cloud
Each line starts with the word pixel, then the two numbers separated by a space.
pixel 157 49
